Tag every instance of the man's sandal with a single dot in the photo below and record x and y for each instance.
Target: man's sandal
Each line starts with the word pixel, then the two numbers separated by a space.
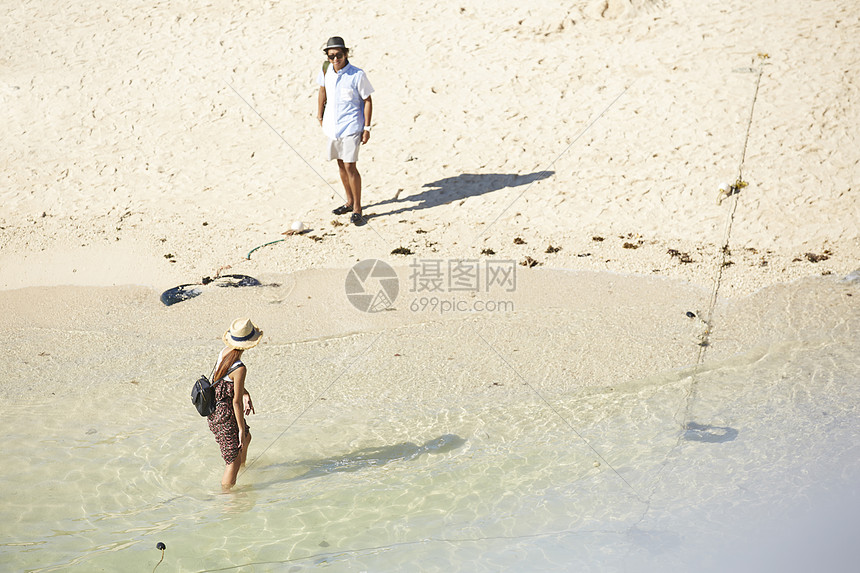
pixel 342 210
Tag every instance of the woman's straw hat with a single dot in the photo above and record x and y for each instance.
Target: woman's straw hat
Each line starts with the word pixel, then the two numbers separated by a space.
pixel 242 334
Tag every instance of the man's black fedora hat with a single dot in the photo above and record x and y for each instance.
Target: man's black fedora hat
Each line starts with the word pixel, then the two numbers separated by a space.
pixel 334 42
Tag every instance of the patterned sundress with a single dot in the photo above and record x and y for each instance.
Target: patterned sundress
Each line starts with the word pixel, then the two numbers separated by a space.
pixel 222 421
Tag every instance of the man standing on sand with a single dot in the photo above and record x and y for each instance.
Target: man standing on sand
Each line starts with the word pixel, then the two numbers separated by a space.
pixel 344 110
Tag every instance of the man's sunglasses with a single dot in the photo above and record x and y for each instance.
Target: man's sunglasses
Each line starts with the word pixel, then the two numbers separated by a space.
pixel 337 56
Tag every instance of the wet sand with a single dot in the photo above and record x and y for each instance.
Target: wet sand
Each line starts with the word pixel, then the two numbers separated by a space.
pixel 561 331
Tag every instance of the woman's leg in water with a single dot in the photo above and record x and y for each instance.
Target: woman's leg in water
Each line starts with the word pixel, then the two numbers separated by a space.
pixel 232 469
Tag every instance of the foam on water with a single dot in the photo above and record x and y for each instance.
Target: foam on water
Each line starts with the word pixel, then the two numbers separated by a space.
pixel 687 468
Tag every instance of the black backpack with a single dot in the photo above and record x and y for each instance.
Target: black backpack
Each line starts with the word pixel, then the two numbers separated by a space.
pixel 203 392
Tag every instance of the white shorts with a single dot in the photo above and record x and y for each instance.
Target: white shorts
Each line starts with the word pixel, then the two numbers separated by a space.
pixel 345 148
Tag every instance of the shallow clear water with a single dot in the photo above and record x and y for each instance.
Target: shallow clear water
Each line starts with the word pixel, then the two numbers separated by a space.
pixel 712 467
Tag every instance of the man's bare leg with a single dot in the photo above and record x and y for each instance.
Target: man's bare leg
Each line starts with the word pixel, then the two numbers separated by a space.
pixel 354 192
pixel 347 182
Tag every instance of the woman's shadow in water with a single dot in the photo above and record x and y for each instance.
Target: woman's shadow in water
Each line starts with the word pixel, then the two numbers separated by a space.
pixel 458 188
pixel 366 458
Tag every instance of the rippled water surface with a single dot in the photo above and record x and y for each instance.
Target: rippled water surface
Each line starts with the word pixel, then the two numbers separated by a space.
pixel 704 467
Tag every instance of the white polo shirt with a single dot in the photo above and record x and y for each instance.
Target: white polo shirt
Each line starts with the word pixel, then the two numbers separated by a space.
pixel 345 93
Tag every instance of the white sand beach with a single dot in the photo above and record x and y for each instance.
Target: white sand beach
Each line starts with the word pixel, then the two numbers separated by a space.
pixel 129 138
pixel 584 145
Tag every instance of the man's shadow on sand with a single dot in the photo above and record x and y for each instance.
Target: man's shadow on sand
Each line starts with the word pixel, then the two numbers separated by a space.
pixel 362 459
pixel 457 188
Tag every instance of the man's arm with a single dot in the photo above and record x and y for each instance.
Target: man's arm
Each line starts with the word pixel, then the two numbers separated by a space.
pixel 321 104
pixel 368 114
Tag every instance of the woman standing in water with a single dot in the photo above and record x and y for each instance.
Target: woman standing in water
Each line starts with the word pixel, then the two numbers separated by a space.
pixel 227 422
